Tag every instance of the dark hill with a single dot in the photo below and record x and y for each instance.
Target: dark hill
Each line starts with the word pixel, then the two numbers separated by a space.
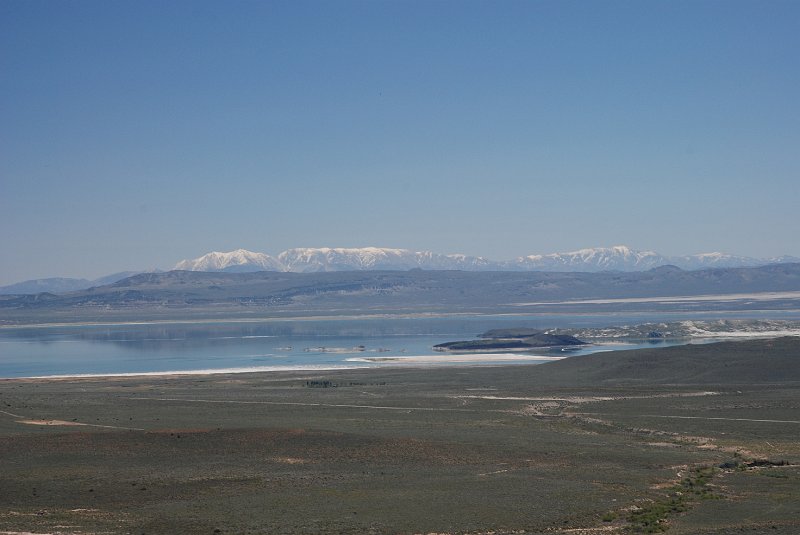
pixel 740 362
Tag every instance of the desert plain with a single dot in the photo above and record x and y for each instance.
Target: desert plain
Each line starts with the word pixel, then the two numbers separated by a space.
pixel 687 439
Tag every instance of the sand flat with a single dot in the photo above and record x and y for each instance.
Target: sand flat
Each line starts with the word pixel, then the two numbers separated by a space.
pixel 454 358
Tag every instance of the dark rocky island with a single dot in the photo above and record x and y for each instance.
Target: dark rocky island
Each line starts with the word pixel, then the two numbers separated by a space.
pixel 511 339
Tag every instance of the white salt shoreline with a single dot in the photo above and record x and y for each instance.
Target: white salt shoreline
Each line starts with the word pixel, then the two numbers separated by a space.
pixel 387 361
pixel 468 357
pixel 755 296
pixel 210 371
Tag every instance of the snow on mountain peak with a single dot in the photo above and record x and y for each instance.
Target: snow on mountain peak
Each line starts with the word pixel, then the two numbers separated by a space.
pixel 313 259
pixel 346 259
pixel 238 260
pixel 618 257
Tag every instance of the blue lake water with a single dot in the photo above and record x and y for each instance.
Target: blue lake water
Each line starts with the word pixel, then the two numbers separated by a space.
pixel 281 344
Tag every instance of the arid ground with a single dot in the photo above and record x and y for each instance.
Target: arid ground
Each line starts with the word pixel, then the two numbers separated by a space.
pixel 691 439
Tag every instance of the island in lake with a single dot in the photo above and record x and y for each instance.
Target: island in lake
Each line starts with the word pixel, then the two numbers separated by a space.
pixel 518 339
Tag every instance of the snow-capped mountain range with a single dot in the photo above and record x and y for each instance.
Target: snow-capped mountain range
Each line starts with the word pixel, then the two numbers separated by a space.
pixel 375 258
pixel 238 260
pixel 307 260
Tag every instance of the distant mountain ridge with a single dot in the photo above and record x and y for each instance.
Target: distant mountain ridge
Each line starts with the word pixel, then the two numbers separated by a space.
pixel 617 258
pixel 215 261
pixel 313 260
pixel 323 259
pixel 326 259
pixel 186 294
pixel 63 284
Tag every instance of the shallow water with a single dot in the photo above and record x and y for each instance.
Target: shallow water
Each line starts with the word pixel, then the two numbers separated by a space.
pixel 286 344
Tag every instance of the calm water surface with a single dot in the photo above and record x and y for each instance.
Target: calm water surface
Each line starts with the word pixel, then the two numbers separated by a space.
pixel 274 345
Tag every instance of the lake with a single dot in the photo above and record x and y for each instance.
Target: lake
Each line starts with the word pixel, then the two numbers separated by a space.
pixel 289 344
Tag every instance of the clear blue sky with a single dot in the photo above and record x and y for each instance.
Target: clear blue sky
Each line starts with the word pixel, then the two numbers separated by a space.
pixel 136 133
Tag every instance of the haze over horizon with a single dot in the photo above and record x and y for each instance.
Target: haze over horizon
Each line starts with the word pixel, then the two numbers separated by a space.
pixel 135 135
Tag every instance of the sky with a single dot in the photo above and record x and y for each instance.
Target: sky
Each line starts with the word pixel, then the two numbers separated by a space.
pixel 134 134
